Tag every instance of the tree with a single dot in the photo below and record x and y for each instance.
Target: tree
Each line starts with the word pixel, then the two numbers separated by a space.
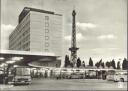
pixel 97 65
pixel 71 64
pixel 113 64
pixel 67 61
pixel 90 62
pixel 125 64
pixel 100 61
pixel 78 62
pixel 108 64
pixel 102 64
pixel 118 65
pixel 83 64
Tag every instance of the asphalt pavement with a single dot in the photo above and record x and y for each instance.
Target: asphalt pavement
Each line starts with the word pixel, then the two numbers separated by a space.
pixel 69 84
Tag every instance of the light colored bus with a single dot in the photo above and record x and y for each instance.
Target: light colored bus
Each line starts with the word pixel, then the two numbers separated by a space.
pixel 20 75
pixel 120 75
pixel 110 75
pixel 66 73
pixel 117 75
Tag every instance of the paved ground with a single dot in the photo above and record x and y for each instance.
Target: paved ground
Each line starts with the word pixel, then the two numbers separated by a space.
pixel 69 84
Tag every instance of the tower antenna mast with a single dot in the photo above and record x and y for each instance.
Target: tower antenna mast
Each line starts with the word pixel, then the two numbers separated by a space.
pixel 73 48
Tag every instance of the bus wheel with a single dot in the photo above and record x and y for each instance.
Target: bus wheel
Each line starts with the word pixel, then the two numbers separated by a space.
pixel 27 83
pixel 15 84
pixel 121 79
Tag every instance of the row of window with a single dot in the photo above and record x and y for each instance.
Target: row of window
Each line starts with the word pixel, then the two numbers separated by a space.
pixel 47 34
pixel 25 47
pixel 20 31
pixel 20 38
pixel 20 27
pixel 17 37
pixel 20 41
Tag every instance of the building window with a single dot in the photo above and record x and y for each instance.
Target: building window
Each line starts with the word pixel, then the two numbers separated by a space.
pixel 46 44
pixel 46 50
pixel 46 24
pixel 46 17
pixel 46 37
pixel 46 31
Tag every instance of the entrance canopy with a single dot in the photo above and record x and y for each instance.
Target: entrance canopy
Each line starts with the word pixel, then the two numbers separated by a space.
pixel 23 57
pixel 25 53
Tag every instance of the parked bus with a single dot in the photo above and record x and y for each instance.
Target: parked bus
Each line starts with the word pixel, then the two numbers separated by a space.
pixel 66 73
pixel 56 73
pixel 20 75
pixel 121 75
pixel 117 75
pixel 110 75
pixel 77 74
pixel 90 74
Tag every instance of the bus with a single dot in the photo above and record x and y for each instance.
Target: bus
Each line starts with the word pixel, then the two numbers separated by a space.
pixel 56 73
pixel 110 75
pixel 121 75
pixel 78 74
pixel 20 75
pixel 117 75
pixel 66 73
pixel 90 74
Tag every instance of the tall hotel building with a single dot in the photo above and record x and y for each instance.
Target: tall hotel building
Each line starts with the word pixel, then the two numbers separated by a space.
pixel 37 31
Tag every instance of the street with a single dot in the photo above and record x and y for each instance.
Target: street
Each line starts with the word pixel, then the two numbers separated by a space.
pixel 69 84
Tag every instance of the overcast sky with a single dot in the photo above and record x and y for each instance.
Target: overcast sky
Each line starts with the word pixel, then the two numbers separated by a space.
pixel 101 24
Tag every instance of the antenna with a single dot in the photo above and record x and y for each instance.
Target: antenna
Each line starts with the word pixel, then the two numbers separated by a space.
pixel 74 7
pixel 73 47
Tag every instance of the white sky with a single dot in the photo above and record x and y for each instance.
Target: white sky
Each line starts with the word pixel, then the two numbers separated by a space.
pixel 101 25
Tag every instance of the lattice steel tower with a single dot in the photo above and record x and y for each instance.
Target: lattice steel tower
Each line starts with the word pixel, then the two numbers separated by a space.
pixel 73 48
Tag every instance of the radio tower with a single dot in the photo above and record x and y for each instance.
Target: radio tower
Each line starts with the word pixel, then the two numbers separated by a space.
pixel 73 48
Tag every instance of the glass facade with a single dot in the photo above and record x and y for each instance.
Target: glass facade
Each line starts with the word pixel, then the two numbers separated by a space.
pixel 20 37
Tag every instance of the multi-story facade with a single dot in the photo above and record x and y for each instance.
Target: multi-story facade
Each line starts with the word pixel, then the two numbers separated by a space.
pixel 37 31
